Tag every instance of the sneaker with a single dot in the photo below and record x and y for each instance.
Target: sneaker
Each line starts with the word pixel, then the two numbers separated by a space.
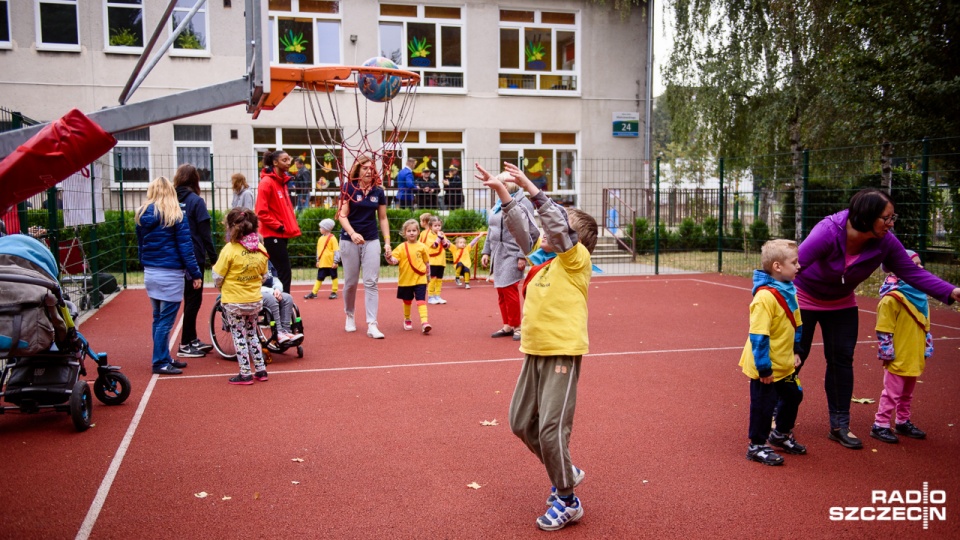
pixel 845 438
pixel 261 376
pixel 241 379
pixel 432 300
pixel 333 296
pixel 295 336
pixel 516 334
pixel 560 515
pixel 578 476
pixel 763 454
pixel 907 429
pixel 351 325
pixel 466 286
pixel 374 332
pixel 425 328
pixel 459 281
pixel 189 351
pixel 407 324
pixel 283 337
pixel 787 443
pixel 309 296
pixel 884 434
pixel 177 364
pixel 441 300
pixel 167 370
pixel 205 347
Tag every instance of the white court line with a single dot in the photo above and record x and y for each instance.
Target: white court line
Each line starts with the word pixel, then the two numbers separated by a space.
pixel 94 512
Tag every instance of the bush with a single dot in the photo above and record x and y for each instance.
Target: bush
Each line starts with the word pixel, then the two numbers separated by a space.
pixel 640 231
pixel 711 226
pixel 759 233
pixel 690 234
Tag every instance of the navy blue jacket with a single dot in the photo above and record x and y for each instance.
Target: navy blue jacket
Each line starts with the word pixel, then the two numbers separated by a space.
pixel 166 247
pixel 406 184
pixel 195 210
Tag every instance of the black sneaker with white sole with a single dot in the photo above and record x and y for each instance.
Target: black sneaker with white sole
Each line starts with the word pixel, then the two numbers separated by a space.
pixel 762 453
pixel 201 346
pixel 189 351
pixel 787 443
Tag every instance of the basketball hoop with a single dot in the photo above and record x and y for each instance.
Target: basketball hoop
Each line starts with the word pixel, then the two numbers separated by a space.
pixel 382 98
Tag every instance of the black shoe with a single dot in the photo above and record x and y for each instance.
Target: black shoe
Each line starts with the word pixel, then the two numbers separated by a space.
pixel 167 370
pixel 907 429
pixel 786 443
pixel 333 296
pixel 763 454
pixel 309 296
pixel 884 434
pixel 845 438
pixel 189 351
pixel 241 379
pixel 201 346
pixel 178 364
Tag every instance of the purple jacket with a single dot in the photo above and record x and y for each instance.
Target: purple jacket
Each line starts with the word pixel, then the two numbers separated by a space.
pixel 822 260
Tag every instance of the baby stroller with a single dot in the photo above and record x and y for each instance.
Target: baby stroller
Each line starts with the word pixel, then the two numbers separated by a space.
pixel 267 330
pixel 41 352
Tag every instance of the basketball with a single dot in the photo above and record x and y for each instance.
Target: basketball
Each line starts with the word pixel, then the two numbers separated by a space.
pixel 379 87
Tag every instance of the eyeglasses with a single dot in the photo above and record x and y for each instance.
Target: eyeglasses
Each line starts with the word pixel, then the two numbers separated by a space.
pixel 890 219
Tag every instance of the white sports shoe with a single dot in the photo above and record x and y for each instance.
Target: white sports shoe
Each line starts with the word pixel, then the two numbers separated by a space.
pixel 441 300
pixel 351 326
pixel 374 332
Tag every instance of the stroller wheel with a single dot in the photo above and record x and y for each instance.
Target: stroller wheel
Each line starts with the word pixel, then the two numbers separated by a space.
pixel 113 388
pixel 299 351
pixel 81 405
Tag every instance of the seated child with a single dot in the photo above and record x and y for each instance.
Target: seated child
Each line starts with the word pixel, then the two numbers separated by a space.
pixel 770 356
pixel 280 305
pixel 328 257
pixel 904 344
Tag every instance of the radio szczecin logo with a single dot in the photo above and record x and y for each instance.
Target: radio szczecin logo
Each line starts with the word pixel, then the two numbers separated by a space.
pixel 909 505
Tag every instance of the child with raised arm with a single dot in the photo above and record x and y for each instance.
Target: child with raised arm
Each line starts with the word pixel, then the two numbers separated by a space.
pixel 239 273
pixel 770 357
pixel 437 245
pixel 554 337
pixel 328 257
pixel 414 266
pixel 904 344
pixel 462 262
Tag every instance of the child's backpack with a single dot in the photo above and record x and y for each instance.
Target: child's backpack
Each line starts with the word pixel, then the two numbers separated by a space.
pixel 30 316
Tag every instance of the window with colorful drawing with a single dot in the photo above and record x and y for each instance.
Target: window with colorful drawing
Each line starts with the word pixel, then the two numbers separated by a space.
pixel 548 159
pixel 426 40
pixel 305 32
pixel 438 155
pixel 321 157
pixel 538 52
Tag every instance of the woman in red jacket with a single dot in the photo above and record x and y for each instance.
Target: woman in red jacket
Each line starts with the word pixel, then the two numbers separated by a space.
pixel 278 223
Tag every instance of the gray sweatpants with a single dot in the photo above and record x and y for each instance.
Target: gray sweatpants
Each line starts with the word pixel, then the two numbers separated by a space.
pixel 353 258
pixel 541 413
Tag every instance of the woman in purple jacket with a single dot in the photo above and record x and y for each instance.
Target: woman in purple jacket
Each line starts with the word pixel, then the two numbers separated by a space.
pixel 842 251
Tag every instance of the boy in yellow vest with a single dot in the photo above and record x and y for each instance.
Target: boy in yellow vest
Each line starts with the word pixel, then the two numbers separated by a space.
pixel 770 356
pixel 414 268
pixel 554 337
pixel 904 344
pixel 328 257
pixel 462 262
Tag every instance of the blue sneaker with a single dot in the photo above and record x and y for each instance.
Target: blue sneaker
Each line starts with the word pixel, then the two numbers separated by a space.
pixel 578 476
pixel 560 515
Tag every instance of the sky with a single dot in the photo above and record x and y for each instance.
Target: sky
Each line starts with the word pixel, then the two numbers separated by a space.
pixel 662 43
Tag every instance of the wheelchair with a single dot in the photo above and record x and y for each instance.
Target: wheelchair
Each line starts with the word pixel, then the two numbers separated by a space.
pixel 267 330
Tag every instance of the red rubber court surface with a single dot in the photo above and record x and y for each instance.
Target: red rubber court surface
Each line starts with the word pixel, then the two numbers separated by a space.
pixel 389 433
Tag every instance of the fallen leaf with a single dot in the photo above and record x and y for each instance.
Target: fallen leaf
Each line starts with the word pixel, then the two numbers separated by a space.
pixel 646 481
pixel 294 482
pixel 256 494
pixel 949 425
pixel 298 460
pixel 862 400
pixel 696 304
pixel 489 422
pixel 495 392
pixel 474 485
pixel 201 495
pixel 874 449
pixel 226 498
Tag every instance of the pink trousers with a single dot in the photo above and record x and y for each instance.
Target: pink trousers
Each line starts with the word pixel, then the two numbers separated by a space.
pixel 897 396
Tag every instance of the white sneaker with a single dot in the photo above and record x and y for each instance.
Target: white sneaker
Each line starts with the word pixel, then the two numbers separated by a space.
pixel 466 286
pixel 432 300
pixel 441 300
pixel 351 326
pixel 374 332
pixel 283 337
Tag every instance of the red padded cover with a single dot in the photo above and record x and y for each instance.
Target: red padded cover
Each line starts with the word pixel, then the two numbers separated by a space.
pixel 60 149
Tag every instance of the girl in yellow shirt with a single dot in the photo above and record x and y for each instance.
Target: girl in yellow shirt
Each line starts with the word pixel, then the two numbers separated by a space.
pixel 414 266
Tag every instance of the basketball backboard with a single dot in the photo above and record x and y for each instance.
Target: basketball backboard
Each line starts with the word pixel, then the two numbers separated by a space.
pixel 258 52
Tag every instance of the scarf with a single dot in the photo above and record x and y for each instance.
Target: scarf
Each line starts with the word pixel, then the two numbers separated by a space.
pixel 250 242
pixel 915 297
pixel 539 256
pixel 785 288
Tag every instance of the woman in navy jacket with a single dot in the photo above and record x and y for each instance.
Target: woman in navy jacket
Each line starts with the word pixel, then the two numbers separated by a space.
pixel 166 253
pixel 187 183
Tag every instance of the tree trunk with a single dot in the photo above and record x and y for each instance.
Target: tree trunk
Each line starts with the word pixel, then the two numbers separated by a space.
pixel 796 154
pixel 886 167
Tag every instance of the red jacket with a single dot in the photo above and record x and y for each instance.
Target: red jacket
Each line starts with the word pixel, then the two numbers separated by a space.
pixel 274 207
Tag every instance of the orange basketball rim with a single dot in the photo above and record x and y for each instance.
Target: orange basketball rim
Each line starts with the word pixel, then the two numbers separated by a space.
pixel 284 79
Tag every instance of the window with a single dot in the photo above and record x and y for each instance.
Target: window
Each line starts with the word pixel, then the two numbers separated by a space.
pixel 427 40
pixel 58 26
pixel 305 32
pixel 548 159
pixel 5 42
pixel 131 157
pixel 435 152
pixel 123 27
pixel 324 170
pixel 538 52
pixel 194 145
pixel 194 40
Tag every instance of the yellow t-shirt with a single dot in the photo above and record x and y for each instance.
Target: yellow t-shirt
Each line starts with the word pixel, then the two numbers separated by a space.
pixel 464 259
pixel 326 246
pixel 768 318
pixel 555 306
pixel 896 316
pixel 242 272
pixel 415 268
pixel 438 254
